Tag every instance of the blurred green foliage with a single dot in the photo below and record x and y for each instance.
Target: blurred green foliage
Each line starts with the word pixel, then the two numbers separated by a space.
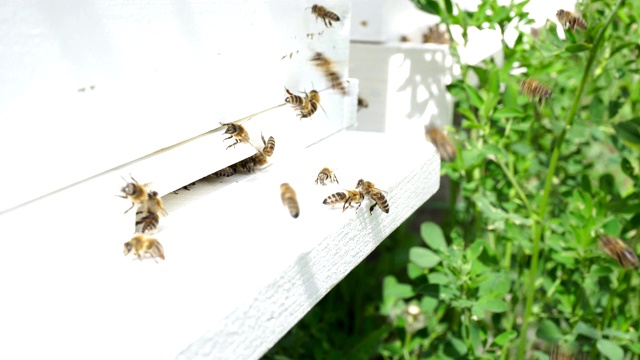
pixel 533 188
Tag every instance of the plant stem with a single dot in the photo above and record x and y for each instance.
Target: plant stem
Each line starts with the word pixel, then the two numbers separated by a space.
pixel 538 226
pixel 515 185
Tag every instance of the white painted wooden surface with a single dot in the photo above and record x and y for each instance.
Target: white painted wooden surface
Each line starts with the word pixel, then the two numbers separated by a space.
pixel 86 86
pixel 239 271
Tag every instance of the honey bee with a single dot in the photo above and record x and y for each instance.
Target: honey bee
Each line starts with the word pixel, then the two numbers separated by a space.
pixel 142 245
pixel 269 146
pixel 314 102
pixel 370 190
pixel 326 66
pixel 435 36
pixel 619 251
pixel 135 192
pixel 307 105
pixel 441 141
pixel 149 212
pixel 326 174
pixel 565 354
pixel 298 102
pixel 570 20
pixel 532 88
pixel 246 165
pixel 239 134
pixel 362 103
pixel 226 172
pixel 347 197
pixel 327 16
pixel 289 199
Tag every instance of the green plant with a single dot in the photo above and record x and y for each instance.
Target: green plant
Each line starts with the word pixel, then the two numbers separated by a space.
pixel 517 268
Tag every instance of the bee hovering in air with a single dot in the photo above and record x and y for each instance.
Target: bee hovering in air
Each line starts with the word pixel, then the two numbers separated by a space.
pixel 142 245
pixel 533 88
pixel 239 134
pixel 269 145
pixel 375 194
pixel 149 212
pixel 570 20
pixel 362 103
pixel 619 251
pixel 441 141
pixel 289 199
pixel 326 66
pixel 347 197
pixel 306 105
pixel 135 192
pixel 327 16
pixel 326 174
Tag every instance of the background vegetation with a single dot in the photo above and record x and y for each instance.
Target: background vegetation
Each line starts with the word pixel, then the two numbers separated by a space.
pixel 516 266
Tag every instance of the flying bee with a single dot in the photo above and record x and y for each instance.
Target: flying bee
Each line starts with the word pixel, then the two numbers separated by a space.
pixel 619 251
pixel 369 189
pixel 533 88
pixel 347 197
pixel 238 133
pixel 226 172
pixel 269 146
pixel 362 103
pixel 149 212
pixel 326 66
pixel 289 199
pixel 326 174
pixel 135 192
pixel 327 16
pixel 441 141
pixel 562 354
pixel 142 245
pixel 570 20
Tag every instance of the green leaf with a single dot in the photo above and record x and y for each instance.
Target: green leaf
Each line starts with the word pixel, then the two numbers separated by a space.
pixel 629 130
pixel 596 108
pixel 423 257
pixel 492 305
pixel 508 113
pixel 627 168
pixel 433 236
pixel 576 48
pixel 428 304
pixel 438 278
pixel 474 96
pixel 505 337
pixel 495 283
pixel 610 349
pixel 448 6
pixel 549 332
pixel 461 303
pixel 430 6
pixel 458 345
pixel 587 330
pixel 414 271
pixel 391 288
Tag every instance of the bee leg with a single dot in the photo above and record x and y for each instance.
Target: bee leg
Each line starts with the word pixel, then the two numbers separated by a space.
pixel 358 207
pixel 132 204
pixel 371 208
pixel 347 204
pixel 234 144
pixel 336 179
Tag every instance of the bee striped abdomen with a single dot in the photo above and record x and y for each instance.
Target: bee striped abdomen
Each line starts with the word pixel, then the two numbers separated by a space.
pixel 337 198
pixel 289 199
pixel 533 88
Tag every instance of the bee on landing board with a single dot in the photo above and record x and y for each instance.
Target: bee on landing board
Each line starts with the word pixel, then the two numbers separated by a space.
pixel 226 172
pixel 326 15
pixel 347 197
pixel 289 199
pixel 533 88
pixel 326 66
pixel 135 192
pixel 148 214
pixel 369 189
pixel 142 245
pixel 570 20
pixel 618 251
pixel 326 174
pixel 441 141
